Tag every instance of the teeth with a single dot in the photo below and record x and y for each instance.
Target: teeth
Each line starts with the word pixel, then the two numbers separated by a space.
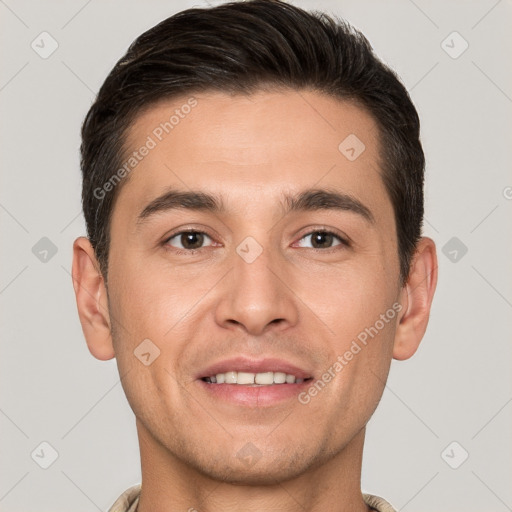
pixel 230 377
pixel 245 378
pixel 262 379
pixel 280 378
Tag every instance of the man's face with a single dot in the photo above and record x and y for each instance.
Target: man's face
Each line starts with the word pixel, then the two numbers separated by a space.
pixel 255 281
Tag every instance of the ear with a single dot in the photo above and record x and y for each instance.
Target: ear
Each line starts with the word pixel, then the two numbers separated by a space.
pixel 91 300
pixel 416 299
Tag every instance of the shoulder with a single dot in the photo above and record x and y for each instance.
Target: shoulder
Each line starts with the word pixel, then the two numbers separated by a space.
pixel 378 503
pixel 128 501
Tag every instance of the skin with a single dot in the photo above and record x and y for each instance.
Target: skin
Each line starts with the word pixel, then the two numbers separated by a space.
pixel 294 302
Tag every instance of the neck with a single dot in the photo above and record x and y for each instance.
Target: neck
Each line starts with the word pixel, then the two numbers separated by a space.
pixel 171 485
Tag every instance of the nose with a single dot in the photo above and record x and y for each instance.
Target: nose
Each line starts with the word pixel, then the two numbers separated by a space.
pixel 258 295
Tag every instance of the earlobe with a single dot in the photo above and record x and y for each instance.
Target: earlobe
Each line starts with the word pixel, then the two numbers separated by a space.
pixel 91 300
pixel 417 299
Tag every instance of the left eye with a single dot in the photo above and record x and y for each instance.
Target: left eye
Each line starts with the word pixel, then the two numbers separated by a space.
pixel 188 240
pixel 322 240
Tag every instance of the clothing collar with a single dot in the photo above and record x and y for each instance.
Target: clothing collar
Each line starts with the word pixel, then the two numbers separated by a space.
pixel 129 500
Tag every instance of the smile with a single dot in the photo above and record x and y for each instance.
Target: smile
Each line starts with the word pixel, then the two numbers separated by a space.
pixel 255 379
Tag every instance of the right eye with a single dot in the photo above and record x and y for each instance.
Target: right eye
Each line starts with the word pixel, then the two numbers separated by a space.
pixel 188 241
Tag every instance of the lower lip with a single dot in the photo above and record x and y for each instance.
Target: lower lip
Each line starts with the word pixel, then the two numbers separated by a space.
pixel 254 396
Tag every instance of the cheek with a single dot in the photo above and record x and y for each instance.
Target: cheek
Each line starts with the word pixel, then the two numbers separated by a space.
pixel 348 298
pixel 146 299
pixel 152 301
pixel 146 339
pixel 360 311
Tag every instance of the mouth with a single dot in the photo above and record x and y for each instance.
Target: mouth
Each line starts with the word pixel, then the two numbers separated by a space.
pixel 246 371
pixel 242 381
pixel 254 379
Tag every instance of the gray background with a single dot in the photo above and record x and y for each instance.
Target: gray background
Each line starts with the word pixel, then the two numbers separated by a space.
pixel 456 388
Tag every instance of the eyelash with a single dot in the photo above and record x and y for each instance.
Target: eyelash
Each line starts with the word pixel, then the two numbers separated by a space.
pixel 343 242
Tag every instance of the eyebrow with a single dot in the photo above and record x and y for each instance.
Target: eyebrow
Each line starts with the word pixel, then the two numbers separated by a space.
pixel 307 200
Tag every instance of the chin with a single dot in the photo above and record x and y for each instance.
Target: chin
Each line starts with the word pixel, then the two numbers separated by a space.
pixel 257 469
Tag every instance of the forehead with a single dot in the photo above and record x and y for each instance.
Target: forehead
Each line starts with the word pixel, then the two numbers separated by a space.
pixel 249 143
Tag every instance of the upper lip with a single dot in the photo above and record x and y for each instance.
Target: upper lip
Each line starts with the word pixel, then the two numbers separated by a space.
pixel 250 365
